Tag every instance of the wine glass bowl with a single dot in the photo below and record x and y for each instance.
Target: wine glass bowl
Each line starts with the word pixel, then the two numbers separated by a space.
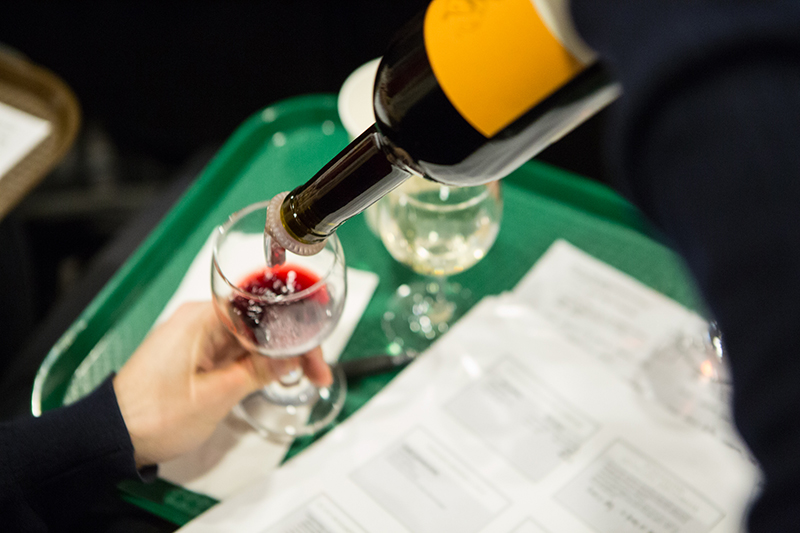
pixel 436 231
pixel 280 312
pixel 688 376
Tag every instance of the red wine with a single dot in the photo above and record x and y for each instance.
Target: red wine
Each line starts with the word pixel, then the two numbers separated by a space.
pixel 282 280
pixel 465 94
pixel 271 318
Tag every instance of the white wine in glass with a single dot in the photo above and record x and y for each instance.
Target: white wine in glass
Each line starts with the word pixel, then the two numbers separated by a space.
pixel 436 231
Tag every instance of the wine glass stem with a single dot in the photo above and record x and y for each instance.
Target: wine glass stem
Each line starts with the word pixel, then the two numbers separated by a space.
pixel 291 378
pixel 441 282
pixel 441 309
pixel 288 372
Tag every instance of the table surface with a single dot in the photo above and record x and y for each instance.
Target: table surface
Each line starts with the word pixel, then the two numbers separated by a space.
pixel 278 149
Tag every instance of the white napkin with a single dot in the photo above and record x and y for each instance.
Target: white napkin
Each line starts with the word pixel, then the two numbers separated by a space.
pixel 236 455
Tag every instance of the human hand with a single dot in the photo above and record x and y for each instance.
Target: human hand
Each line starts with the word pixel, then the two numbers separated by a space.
pixel 184 379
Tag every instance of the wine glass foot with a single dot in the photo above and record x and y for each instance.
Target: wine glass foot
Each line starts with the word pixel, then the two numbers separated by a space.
pixel 422 311
pixel 284 413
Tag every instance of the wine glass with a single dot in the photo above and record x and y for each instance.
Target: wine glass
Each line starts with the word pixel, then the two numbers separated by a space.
pixel 280 312
pixel 688 375
pixel 437 231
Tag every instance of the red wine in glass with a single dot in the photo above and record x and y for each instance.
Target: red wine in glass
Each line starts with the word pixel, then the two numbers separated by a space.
pixel 281 307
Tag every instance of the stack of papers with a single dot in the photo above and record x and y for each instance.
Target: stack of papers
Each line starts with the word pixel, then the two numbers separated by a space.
pixel 528 417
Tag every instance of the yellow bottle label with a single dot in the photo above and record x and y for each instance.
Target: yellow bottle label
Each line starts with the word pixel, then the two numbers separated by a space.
pixel 496 59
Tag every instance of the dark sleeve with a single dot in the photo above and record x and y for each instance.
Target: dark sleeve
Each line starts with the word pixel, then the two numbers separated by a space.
pixel 52 468
pixel 706 140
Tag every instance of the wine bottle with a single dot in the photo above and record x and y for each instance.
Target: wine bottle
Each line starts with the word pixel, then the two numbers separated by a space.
pixel 466 93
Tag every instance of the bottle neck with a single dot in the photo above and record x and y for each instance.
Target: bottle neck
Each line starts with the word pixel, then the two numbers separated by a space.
pixel 359 176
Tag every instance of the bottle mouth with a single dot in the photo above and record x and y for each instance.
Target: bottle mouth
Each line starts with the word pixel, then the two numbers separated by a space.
pixel 329 261
pixel 276 229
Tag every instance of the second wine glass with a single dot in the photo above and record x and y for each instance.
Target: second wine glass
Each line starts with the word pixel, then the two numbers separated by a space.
pixel 437 231
pixel 688 376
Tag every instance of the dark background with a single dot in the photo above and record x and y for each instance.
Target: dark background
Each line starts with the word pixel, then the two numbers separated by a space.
pixel 161 86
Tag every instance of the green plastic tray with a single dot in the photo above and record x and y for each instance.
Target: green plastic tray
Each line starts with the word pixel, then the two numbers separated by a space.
pixel 278 149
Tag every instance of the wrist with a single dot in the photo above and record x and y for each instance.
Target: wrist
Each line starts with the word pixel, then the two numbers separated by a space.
pixel 137 422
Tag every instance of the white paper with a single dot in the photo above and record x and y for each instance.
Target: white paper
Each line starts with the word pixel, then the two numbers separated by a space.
pixel 624 490
pixel 601 309
pixel 632 329
pixel 423 483
pixel 235 455
pixel 319 515
pixel 20 133
pixel 514 411
pixel 503 426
